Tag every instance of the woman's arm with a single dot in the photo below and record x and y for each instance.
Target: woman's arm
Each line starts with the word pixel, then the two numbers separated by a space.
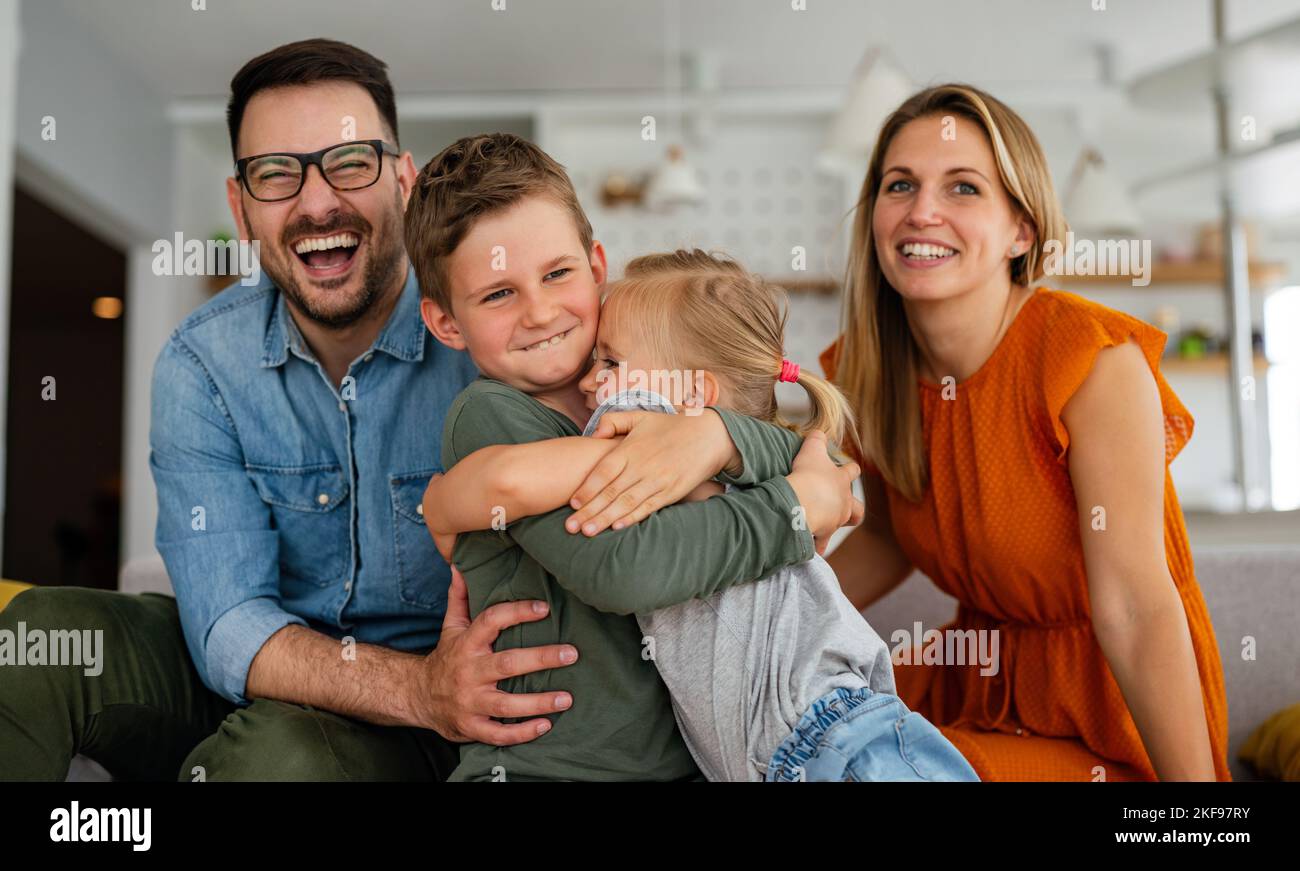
pixel 868 562
pixel 500 483
pixel 1117 466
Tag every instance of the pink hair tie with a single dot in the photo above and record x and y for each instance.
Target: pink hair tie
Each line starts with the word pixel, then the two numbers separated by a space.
pixel 789 371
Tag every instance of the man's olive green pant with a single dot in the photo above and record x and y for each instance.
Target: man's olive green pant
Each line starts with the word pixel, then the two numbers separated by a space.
pixel 148 716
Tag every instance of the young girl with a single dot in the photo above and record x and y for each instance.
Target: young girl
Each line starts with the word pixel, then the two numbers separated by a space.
pixel 780 679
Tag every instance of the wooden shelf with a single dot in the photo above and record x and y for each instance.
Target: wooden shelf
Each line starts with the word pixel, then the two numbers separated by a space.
pixel 1209 272
pixel 820 286
pixel 1262 275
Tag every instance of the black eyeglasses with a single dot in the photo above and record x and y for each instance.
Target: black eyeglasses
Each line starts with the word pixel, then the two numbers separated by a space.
pixel 348 166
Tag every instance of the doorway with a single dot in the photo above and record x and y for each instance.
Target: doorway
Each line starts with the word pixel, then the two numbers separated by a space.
pixel 63 463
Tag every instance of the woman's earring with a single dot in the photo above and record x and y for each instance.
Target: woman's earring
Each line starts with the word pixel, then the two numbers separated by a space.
pixel 1015 250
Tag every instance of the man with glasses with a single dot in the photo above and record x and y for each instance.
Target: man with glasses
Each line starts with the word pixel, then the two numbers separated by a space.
pixel 295 427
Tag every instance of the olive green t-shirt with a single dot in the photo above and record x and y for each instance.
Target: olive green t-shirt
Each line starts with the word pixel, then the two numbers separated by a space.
pixel 621 724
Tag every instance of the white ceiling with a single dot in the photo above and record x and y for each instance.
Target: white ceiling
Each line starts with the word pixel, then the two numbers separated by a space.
pixel 1039 55
pixel 439 46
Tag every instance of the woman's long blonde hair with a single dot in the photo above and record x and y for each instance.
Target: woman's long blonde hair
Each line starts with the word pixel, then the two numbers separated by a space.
pixel 694 310
pixel 877 358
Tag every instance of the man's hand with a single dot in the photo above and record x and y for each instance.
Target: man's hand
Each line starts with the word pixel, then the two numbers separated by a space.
pixel 824 490
pixel 455 692
pixel 663 458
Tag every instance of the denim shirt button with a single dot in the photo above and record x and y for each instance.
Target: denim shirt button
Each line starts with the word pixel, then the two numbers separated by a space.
pixel 343 406
pixel 419 509
pixel 367 358
pixel 323 498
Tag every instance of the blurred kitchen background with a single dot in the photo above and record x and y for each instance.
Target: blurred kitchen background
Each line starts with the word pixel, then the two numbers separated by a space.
pixel 763 113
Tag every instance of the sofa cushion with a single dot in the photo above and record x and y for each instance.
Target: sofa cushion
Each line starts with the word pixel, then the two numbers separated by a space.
pixel 9 589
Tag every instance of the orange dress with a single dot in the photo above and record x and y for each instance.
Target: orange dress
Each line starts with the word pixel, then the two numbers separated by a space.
pixel 998 529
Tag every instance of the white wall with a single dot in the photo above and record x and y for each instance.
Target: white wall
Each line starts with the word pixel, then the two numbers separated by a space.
pixel 114 141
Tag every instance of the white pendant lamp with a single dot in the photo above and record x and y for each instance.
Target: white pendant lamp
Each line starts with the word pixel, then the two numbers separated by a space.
pixel 674 184
pixel 879 87
pixel 1097 204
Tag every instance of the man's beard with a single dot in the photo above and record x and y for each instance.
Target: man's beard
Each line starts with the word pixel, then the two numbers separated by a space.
pixel 383 262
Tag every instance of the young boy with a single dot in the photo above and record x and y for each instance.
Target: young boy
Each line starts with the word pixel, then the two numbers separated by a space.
pixel 510 273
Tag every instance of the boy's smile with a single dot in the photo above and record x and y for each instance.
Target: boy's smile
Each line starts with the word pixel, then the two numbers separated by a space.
pixel 525 299
pixel 551 341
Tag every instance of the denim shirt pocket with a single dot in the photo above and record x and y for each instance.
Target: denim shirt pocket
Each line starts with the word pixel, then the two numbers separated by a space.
pixel 307 505
pixel 423 578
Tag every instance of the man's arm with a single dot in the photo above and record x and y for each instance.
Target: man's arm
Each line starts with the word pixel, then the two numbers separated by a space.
pixel 214 532
pixel 303 666
pixel 451 690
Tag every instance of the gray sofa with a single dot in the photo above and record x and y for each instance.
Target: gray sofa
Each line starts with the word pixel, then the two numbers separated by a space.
pixel 1251 591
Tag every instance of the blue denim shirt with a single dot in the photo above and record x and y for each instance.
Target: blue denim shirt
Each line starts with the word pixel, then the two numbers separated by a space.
pixel 283 499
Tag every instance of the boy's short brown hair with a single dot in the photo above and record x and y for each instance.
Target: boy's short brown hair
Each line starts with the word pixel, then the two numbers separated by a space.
pixel 474 177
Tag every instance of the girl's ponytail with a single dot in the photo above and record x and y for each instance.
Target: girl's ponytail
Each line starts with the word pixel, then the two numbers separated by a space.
pixel 830 412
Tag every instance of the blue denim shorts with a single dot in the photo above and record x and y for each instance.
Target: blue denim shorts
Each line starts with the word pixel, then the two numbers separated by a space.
pixel 862 735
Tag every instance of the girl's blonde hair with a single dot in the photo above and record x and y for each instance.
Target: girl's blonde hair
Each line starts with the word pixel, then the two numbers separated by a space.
pixel 877 359
pixel 694 310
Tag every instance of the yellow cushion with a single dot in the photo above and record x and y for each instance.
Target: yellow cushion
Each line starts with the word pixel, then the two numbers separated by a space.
pixel 1274 748
pixel 9 589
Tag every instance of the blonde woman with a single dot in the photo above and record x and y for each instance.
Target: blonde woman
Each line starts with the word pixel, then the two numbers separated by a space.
pixel 1016 442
